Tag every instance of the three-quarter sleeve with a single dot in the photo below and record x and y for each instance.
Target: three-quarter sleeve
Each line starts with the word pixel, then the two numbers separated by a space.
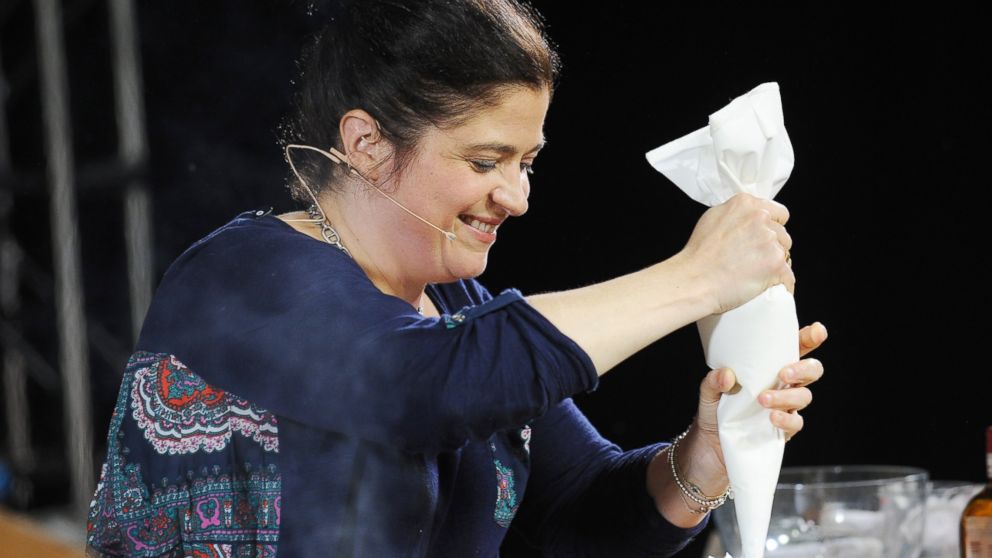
pixel 588 498
pixel 296 326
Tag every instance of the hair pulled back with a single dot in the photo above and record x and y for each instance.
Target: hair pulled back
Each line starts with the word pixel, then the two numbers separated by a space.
pixel 411 64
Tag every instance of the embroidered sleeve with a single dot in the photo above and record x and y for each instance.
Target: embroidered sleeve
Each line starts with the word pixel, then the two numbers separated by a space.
pixel 172 484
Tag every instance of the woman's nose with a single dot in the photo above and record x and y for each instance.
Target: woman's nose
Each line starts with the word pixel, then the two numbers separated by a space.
pixel 512 194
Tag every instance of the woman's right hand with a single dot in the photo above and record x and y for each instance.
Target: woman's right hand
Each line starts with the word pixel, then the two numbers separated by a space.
pixel 742 248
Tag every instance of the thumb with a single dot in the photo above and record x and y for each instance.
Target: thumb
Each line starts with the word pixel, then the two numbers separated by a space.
pixel 716 383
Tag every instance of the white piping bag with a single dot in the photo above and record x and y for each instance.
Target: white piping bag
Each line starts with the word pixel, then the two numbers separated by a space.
pixel 745 148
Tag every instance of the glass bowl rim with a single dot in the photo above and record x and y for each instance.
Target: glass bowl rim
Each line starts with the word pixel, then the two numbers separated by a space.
pixel 887 475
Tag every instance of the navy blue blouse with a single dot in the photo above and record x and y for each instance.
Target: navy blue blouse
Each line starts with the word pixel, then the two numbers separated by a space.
pixel 278 403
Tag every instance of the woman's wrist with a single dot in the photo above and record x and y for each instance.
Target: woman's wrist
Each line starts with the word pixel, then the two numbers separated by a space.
pixel 701 462
pixel 700 286
pixel 697 499
pixel 694 483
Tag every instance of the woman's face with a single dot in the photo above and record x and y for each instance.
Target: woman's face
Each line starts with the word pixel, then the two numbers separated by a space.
pixel 468 179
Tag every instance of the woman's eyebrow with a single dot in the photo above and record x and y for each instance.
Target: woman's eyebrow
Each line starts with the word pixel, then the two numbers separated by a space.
pixel 504 149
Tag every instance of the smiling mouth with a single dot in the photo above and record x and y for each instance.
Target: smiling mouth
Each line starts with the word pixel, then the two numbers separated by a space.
pixel 477 224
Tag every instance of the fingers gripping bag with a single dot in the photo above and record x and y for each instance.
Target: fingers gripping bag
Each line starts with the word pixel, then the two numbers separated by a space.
pixel 745 148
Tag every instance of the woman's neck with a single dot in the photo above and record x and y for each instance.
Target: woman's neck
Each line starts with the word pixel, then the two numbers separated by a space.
pixel 371 246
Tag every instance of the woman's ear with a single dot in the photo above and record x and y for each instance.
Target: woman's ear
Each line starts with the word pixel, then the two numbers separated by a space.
pixel 363 143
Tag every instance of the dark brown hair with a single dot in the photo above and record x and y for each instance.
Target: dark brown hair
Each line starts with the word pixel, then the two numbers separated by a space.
pixel 411 64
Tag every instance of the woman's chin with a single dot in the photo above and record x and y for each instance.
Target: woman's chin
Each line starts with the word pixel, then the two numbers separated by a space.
pixel 468 268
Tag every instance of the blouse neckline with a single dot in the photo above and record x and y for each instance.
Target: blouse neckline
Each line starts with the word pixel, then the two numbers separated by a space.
pixel 431 289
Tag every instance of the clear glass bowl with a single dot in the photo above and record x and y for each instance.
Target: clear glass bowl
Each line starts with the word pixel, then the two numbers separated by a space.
pixel 854 511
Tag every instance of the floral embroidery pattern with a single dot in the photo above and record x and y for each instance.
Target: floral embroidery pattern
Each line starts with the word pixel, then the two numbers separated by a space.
pixel 205 514
pixel 506 494
pixel 179 413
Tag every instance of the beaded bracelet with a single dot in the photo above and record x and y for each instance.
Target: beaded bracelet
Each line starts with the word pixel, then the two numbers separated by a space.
pixel 693 492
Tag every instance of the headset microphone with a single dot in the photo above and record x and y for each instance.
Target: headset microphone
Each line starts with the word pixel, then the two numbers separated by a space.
pixel 342 159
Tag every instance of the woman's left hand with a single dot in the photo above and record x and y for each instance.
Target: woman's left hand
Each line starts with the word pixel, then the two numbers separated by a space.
pixel 785 402
pixel 700 458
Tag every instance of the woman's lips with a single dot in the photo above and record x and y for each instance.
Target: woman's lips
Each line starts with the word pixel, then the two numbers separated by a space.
pixel 482 228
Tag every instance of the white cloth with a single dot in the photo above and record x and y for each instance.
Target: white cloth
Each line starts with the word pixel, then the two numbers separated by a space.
pixel 745 148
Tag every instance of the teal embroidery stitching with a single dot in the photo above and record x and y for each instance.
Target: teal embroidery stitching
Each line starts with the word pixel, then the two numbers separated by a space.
pixel 506 494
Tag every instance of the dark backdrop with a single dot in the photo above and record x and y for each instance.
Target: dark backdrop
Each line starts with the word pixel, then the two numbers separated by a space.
pixel 885 108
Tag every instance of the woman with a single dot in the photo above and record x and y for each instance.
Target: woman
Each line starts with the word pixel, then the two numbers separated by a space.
pixel 335 383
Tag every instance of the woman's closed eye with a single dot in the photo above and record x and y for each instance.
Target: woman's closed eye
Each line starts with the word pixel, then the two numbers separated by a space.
pixel 483 165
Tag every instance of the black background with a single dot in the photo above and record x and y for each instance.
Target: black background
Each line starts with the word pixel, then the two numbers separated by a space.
pixel 888 114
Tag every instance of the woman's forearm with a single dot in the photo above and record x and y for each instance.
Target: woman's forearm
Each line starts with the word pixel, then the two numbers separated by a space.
pixel 614 319
pixel 737 250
